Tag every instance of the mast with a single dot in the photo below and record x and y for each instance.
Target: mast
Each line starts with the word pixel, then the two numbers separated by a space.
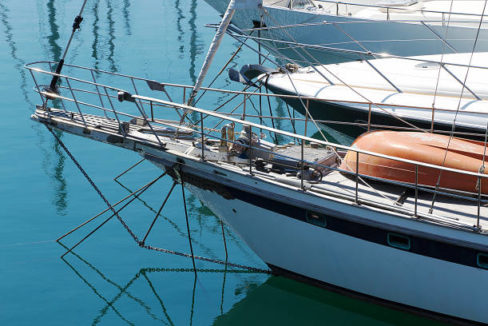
pixel 233 5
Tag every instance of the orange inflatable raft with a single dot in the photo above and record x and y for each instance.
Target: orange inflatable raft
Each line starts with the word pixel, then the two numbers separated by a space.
pixel 462 154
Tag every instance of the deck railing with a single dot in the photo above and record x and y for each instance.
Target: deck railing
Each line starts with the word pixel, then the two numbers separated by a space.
pixel 91 92
pixel 405 9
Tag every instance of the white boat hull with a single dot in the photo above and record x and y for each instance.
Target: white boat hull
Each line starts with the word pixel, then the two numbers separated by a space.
pixel 351 263
pixel 354 264
pixel 376 34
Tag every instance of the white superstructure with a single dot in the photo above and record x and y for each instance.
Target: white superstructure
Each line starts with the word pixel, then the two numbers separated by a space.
pixel 425 89
pixel 320 32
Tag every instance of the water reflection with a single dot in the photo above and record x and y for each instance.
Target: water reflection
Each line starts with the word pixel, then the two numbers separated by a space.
pixel 19 63
pixel 57 173
pixel 179 18
pixel 95 29
pixel 147 291
pixel 211 225
pixel 123 290
pixel 53 36
pixel 111 39
pixel 125 13
pixel 195 44
pixel 237 297
pixel 281 301
pixel 60 200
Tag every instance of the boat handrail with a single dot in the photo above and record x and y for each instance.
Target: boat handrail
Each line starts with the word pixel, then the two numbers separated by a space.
pixel 439 191
pixel 393 7
pixel 304 138
pixel 239 121
pixel 259 126
pixel 143 102
pixel 228 91
pixel 365 54
pixel 325 22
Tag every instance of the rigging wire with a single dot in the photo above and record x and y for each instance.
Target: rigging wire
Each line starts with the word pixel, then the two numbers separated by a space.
pixel 451 136
pixel 340 80
pixel 313 120
pixel 442 59
pixel 345 51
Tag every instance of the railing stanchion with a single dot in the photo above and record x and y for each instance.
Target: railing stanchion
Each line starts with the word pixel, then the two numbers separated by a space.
pixel 388 13
pixel 144 117
pixel 244 108
pixel 250 149
pixel 416 188
pixel 184 95
pixel 203 138
pixel 479 202
pixel 302 167
pixel 143 112
pixel 44 101
pixel 152 111
pixel 112 105
pixel 337 8
pixel 357 177
pixel 76 102
pixel 369 117
pixel 306 116
pixel 432 120
pixel 98 92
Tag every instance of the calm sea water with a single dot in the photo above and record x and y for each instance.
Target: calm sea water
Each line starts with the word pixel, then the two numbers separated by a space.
pixel 108 280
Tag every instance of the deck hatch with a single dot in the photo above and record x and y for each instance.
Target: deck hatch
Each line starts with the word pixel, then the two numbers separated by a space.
pixel 398 241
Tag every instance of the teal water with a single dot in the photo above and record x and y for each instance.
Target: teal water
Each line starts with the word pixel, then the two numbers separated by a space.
pixel 108 280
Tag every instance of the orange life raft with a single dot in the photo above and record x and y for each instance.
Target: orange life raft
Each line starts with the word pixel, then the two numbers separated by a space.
pixel 462 154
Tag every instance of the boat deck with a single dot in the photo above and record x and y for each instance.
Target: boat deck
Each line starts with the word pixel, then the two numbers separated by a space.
pixel 459 212
pixel 449 209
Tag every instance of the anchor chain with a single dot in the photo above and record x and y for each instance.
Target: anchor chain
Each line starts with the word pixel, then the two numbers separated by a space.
pixel 211 260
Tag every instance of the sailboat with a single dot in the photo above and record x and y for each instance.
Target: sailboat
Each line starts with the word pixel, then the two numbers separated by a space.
pixel 336 31
pixel 306 206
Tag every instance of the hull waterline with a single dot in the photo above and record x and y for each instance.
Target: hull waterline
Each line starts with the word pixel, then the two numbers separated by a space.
pixel 307 252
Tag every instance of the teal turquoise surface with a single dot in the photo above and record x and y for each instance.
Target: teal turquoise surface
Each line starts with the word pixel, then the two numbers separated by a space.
pixel 109 280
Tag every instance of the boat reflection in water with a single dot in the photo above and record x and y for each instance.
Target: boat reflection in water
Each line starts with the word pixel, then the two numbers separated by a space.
pixel 242 298
pixel 149 297
pixel 281 301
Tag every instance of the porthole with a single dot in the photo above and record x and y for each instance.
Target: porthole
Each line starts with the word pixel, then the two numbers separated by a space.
pixel 482 260
pixel 398 241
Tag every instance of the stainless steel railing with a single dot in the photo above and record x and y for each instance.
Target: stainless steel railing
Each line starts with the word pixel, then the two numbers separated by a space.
pixel 85 94
pixel 389 9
